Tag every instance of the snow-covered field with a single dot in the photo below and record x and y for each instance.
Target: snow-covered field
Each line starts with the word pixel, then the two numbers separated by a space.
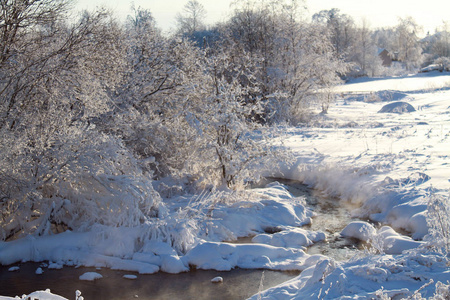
pixel 386 164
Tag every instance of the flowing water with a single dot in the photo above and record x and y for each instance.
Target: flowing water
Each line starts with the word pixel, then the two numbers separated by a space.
pixel 331 217
pixel 196 284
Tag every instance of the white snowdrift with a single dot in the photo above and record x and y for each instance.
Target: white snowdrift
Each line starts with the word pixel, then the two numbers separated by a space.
pixel 386 238
pixel 290 238
pixel 41 295
pixel 90 276
pixel 149 248
pixel 395 243
pixel 225 256
pixel 359 230
pixel 410 83
pixel 396 276
pixel 397 108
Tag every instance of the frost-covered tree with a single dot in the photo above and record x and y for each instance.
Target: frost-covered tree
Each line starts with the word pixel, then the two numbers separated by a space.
pixel 406 43
pixel 440 46
pixel 252 29
pixel 230 120
pixel 341 27
pixel 154 96
pixel 311 70
pixel 57 170
pixel 383 38
pixel 296 57
pixel 365 51
pixel 192 18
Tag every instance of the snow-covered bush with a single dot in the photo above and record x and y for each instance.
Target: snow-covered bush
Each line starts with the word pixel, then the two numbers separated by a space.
pixel 83 179
pixel 57 171
pixel 189 113
pixel 295 57
pixel 438 220
pixel 442 291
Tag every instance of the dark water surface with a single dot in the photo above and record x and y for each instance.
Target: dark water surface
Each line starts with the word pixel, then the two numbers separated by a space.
pixel 237 284
pixel 332 216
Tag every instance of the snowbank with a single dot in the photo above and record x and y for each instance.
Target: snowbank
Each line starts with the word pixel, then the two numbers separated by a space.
pixel 395 243
pixel 397 108
pixel 359 230
pixel 154 247
pixel 410 83
pixel 366 278
pixel 225 256
pixel 41 295
pixel 290 238
pixel 389 170
pixel 385 240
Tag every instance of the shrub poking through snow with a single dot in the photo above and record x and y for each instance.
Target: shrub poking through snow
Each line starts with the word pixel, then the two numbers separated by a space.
pixel 438 220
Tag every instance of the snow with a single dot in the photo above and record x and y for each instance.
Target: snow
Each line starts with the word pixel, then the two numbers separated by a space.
pixel 387 165
pixel 397 107
pixel 90 276
pixel 217 279
pixel 225 256
pixel 290 238
pixel 410 83
pixel 391 241
pixel 399 276
pixel 359 230
pixel 15 268
pixel 41 295
pixel 56 266
pixel 129 276
pixel 395 243
pixel 384 165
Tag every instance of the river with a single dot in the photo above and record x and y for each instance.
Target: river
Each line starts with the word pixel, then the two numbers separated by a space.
pixel 331 217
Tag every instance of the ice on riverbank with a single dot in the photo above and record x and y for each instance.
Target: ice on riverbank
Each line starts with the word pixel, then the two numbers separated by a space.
pixel 41 295
pixel 225 256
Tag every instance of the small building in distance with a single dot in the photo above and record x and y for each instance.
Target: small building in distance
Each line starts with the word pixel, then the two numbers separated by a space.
pixel 385 57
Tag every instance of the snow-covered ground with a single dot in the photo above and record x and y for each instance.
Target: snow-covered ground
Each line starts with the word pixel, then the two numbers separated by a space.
pixel 386 164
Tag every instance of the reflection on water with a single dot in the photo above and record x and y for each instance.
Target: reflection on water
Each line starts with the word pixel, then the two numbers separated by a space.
pixel 237 284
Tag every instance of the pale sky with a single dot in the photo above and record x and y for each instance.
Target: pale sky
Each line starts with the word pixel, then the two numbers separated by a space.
pixel 379 13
